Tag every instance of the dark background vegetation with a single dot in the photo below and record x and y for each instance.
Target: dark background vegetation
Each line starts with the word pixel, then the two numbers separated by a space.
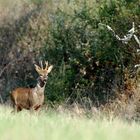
pixel 91 67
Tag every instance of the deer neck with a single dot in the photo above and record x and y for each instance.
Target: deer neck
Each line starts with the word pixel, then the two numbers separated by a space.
pixel 40 87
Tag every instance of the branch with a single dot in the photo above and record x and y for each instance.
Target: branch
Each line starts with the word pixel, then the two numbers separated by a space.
pixel 127 37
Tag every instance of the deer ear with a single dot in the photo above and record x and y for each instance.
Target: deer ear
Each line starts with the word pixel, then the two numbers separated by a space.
pixel 50 68
pixel 37 68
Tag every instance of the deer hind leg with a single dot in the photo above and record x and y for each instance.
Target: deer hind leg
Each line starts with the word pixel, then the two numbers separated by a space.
pixel 17 108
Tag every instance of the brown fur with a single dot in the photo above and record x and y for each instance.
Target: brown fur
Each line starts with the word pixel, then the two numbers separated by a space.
pixel 25 98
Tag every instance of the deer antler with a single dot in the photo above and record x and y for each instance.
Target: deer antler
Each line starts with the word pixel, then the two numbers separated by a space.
pixel 41 64
pixel 42 70
pixel 38 69
pixel 46 63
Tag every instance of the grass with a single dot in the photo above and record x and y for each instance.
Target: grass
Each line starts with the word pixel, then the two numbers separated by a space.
pixel 54 126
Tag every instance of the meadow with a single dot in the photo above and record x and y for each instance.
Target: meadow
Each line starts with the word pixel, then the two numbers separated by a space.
pixel 63 126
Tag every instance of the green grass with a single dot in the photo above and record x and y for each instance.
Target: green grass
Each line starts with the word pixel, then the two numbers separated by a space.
pixel 54 126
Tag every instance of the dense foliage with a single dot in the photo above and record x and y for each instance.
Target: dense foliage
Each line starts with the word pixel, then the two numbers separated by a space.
pixel 90 64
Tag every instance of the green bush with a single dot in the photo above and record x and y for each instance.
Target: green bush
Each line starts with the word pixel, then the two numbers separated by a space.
pixel 89 62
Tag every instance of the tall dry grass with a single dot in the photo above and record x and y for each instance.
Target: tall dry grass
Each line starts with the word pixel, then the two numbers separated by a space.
pixel 55 126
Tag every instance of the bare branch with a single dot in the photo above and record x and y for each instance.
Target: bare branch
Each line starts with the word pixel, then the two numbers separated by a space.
pixel 126 37
pixel 137 40
pixel 137 65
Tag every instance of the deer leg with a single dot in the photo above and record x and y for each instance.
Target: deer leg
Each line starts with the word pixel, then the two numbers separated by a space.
pixel 18 108
pixel 36 108
pixel 31 110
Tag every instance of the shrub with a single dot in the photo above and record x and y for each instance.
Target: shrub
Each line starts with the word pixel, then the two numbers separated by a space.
pixel 89 61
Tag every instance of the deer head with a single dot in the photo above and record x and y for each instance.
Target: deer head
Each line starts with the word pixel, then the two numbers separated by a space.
pixel 43 72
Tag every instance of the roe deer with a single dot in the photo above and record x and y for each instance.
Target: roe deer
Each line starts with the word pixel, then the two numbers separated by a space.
pixel 32 98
